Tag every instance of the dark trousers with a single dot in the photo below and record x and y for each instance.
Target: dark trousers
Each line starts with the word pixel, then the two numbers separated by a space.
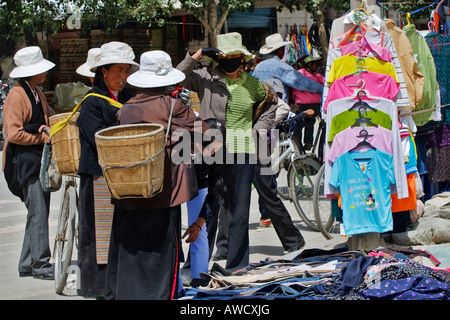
pixel 238 238
pixel 35 255
pixel 289 235
pixel 218 226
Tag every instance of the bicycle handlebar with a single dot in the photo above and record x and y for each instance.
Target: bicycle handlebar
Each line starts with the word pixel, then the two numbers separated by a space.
pixel 296 117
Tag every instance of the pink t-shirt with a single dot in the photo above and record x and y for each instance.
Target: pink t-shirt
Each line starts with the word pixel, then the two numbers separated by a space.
pixel 376 84
pixel 379 137
pixel 304 97
pixel 364 47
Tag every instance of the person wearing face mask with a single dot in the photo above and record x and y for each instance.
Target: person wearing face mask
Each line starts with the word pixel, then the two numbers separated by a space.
pixel 229 94
pixel 111 72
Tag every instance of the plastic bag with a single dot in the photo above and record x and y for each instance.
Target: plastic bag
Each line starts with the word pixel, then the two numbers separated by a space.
pixel 50 178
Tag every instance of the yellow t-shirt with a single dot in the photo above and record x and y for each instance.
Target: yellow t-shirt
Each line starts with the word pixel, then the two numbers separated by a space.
pixel 347 64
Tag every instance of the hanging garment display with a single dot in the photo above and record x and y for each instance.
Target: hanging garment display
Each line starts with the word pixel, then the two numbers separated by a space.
pixel 363 59
pixel 377 84
pixel 353 27
pixel 365 179
pixel 300 46
pixel 386 106
pixel 441 17
pixel 439 45
pixel 414 79
pixel 427 67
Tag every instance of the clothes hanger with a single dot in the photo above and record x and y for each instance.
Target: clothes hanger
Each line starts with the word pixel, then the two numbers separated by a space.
pixel 359 83
pixel 363 143
pixel 363 120
pixel 362 9
pixel 360 103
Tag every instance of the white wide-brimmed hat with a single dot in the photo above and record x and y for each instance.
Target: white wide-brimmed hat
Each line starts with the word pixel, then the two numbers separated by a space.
pixel 155 71
pixel 273 42
pixel 30 62
pixel 230 43
pixel 92 58
pixel 115 52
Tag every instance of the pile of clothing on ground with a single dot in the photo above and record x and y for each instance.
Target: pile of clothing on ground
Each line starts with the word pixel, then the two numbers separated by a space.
pixel 432 227
pixel 335 274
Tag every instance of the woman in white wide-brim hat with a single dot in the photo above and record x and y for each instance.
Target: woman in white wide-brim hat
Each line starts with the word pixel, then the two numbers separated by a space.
pixel 151 226
pixel 85 68
pixel 112 68
pixel 25 115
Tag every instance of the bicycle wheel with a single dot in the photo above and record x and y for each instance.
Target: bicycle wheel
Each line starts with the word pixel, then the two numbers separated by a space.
pixel 301 176
pixel 281 174
pixel 322 205
pixel 282 183
pixel 64 240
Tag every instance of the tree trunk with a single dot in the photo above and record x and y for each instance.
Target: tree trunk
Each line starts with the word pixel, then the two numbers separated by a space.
pixel 322 33
pixel 211 24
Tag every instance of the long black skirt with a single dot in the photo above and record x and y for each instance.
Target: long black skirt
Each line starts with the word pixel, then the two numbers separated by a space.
pixel 144 254
pixel 92 275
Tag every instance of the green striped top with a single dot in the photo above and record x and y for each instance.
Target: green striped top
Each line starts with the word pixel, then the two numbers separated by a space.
pixel 243 93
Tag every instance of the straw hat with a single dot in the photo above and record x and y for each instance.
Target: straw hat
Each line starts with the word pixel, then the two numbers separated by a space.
pixel 30 62
pixel 230 43
pixel 155 71
pixel 114 52
pixel 311 58
pixel 85 68
pixel 273 42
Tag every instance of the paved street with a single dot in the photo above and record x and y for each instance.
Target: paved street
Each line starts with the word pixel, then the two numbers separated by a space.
pixel 263 243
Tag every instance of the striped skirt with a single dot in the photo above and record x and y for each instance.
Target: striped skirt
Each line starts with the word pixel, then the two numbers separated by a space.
pixel 104 212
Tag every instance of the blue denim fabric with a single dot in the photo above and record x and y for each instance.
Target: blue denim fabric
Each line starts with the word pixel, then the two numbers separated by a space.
pixel 273 67
pixel 199 249
pixel 272 291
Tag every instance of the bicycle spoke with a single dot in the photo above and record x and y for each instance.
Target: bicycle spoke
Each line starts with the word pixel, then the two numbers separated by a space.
pixel 301 176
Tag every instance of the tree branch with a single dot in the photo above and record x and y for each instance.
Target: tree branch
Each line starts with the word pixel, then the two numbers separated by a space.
pixel 223 18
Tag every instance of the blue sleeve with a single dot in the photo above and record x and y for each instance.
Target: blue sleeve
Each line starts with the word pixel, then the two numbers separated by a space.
pixel 334 177
pixel 391 169
pixel 294 79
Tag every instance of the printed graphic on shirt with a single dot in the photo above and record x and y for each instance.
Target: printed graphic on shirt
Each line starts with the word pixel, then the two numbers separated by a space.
pixel 364 196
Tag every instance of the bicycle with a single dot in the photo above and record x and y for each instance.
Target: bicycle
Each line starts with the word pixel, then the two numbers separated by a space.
pixel 306 184
pixel 296 169
pixel 66 232
pixel 285 151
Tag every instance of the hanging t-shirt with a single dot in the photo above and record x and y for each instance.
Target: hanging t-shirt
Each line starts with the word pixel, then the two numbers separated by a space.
pixel 364 48
pixel 349 63
pixel 365 190
pixel 378 137
pixel 347 118
pixel 427 67
pixel 388 106
pixel 377 85
pixel 375 33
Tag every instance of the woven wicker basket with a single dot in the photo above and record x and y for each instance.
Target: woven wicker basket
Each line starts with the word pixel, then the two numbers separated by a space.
pixel 66 145
pixel 124 153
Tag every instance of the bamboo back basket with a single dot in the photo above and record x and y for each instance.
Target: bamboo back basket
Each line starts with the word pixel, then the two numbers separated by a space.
pixel 66 148
pixel 132 159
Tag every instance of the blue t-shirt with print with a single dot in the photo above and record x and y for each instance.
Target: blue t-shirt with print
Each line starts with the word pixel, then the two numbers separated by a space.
pixel 364 179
